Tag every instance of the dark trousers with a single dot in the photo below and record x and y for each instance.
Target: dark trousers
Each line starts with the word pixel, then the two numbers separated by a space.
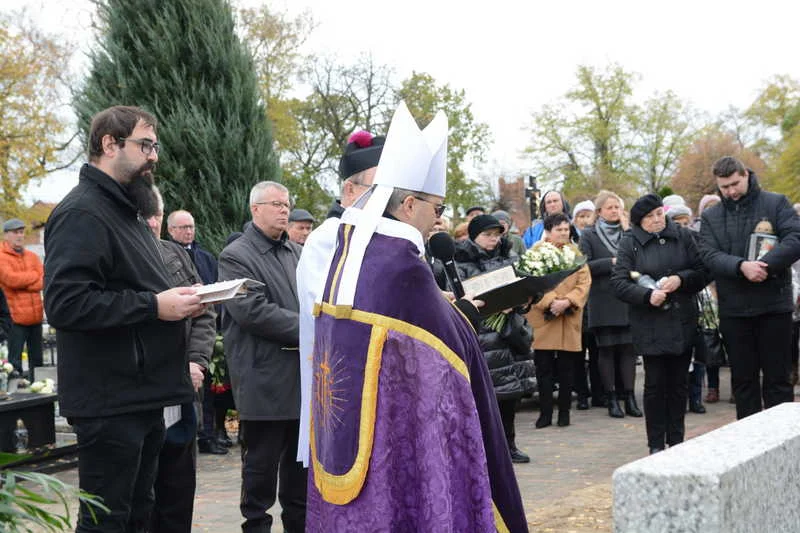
pixel 174 488
pixel 665 391
pixel 594 386
pixel 546 362
pixel 795 344
pixel 205 430
pixel 696 382
pixel 18 337
pixel 626 360
pixel 508 412
pixel 581 384
pixel 117 461
pixel 759 345
pixel 269 452
pixel 713 377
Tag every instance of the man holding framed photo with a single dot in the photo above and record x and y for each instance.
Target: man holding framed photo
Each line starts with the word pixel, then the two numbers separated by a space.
pixel 755 296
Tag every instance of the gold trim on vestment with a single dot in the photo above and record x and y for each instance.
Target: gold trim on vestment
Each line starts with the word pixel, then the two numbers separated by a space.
pixel 394 324
pixel 343 488
pixel 348 229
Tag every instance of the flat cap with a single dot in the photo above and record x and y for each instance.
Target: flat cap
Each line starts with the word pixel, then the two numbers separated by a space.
pixel 13 224
pixel 300 215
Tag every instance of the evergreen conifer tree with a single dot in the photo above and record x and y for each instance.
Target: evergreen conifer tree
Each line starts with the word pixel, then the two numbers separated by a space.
pixel 182 61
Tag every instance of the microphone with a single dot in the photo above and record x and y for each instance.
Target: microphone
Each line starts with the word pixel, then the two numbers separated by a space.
pixel 443 248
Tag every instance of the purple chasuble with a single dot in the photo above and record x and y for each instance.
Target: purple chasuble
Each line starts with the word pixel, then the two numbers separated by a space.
pixel 406 433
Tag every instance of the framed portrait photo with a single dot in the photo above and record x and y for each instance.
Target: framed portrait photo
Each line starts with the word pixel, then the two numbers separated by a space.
pixel 760 245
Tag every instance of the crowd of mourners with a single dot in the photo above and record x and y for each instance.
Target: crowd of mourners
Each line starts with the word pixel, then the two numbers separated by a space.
pixel 359 406
pixel 590 332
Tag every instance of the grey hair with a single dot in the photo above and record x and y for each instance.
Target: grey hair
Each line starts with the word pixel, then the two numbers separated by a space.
pixel 396 199
pixel 258 188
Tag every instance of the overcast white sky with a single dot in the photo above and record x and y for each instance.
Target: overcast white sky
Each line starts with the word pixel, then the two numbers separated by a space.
pixel 512 57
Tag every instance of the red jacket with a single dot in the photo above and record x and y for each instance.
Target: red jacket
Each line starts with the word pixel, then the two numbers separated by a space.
pixel 22 278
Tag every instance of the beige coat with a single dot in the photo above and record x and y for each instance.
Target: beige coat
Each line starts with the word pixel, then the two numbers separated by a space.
pixel 564 331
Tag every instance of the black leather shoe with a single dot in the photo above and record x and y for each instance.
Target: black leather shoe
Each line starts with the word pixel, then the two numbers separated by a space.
pixel 631 409
pixel 223 438
pixel 544 420
pixel 563 418
pixel 697 407
pixel 583 403
pixel 211 446
pixel 656 450
pixel 519 457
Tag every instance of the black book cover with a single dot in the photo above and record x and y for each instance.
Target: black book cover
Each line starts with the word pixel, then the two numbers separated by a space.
pixel 516 293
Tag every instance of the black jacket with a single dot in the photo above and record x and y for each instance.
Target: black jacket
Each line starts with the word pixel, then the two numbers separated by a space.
pixel 508 353
pixel 724 236
pixel 604 308
pixel 655 330
pixel 103 269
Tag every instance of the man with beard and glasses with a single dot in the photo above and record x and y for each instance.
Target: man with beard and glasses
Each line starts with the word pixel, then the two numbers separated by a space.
pixel 120 326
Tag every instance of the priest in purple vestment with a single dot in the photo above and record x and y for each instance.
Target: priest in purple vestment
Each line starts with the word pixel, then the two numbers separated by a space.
pixel 405 429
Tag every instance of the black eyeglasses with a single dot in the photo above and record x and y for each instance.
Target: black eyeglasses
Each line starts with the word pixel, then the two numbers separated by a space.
pixel 438 209
pixel 146 145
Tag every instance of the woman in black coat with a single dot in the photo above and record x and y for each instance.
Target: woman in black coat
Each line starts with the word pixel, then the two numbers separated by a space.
pixel 508 352
pixel 608 315
pixel 663 318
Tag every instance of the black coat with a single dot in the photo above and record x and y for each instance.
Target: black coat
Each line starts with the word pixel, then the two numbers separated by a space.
pixel 103 269
pixel 604 308
pixel 724 237
pixel 657 331
pixel 508 352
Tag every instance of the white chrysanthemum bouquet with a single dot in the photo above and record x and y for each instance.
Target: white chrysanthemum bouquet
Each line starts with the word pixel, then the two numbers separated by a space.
pixel 544 258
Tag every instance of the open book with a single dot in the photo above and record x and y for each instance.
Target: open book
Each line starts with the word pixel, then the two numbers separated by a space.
pixel 226 290
pixel 502 289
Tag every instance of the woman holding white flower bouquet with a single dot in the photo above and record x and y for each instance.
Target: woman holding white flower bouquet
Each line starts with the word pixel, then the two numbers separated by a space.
pixel 507 351
pixel 557 319
pixel 663 313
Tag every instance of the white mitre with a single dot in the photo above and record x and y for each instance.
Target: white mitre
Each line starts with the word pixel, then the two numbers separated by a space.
pixel 412 159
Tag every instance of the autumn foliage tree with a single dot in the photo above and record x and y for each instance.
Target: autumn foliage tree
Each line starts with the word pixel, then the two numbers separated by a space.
pixel 34 137
pixel 693 177
pixel 777 111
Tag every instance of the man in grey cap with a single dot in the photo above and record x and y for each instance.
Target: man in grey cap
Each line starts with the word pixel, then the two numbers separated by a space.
pixel 22 278
pixel 300 225
pixel 517 244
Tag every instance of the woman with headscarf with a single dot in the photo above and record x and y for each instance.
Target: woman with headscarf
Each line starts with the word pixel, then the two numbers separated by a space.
pixel 664 316
pixel 508 351
pixel 556 320
pixel 609 316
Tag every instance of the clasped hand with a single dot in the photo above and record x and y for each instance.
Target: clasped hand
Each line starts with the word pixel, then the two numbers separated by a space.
pixel 559 305
pixel 755 271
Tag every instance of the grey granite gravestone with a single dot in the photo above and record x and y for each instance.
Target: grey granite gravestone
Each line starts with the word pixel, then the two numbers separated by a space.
pixel 741 478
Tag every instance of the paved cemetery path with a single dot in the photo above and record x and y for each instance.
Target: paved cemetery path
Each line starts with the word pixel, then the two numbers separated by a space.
pixel 566 487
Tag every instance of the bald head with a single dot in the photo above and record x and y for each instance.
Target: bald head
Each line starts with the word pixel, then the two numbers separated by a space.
pixel 180 225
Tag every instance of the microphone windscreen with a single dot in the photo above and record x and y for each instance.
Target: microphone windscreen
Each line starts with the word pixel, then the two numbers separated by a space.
pixel 442 246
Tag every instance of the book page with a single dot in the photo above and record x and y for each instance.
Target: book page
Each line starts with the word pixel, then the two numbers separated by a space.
pixel 486 282
pixel 225 290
